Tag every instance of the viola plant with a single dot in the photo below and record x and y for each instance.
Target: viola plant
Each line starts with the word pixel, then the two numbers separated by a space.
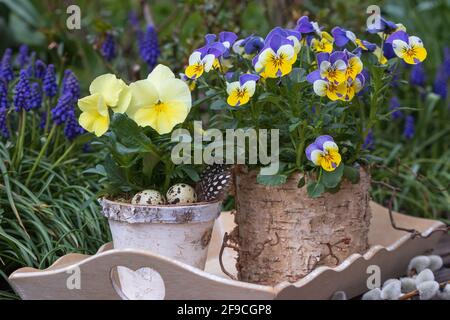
pixel 324 91
pixel 132 123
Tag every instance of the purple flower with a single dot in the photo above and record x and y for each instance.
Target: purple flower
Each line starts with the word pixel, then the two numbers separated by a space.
pixel 226 38
pixel 39 69
pixel 324 152
pixel 417 76
pixel 4 106
pixel 50 85
pixel 70 84
pixel 6 71
pixel 446 64
pixel 409 130
pixel 369 143
pixel 394 105
pixel 342 36
pixel 35 99
pixel 382 25
pixel 22 92
pixel 440 83
pixel 148 46
pixel 108 49
pixel 43 121
pixel 304 26
pixel 250 45
pixel 72 128
pixel 61 112
pixel 22 58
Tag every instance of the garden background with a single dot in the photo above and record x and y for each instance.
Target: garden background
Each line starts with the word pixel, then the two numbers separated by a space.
pixel 48 183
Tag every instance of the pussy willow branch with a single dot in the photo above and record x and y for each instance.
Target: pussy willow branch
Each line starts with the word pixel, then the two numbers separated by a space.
pixel 414 293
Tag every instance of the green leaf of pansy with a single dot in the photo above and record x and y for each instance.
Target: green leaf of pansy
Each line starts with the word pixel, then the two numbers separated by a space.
pixel 331 179
pixel 315 189
pixel 351 173
pixel 272 180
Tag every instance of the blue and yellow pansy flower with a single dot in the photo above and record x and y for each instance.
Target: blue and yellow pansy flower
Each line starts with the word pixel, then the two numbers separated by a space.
pixel 240 92
pixel 202 60
pixel 276 58
pixel 410 49
pixel 324 152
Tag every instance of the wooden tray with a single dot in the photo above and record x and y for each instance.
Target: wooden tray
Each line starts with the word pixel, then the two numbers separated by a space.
pixel 390 250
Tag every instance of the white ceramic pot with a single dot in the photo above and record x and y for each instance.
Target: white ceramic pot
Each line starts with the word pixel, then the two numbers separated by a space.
pixel 179 232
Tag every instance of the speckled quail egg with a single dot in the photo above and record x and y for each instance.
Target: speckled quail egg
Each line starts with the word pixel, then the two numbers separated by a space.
pixel 150 196
pixel 181 193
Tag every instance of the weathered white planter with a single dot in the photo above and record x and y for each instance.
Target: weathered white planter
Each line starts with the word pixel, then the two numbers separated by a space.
pixel 180 232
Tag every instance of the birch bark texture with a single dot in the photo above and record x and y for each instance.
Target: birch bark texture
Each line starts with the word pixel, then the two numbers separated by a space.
pixel 282 234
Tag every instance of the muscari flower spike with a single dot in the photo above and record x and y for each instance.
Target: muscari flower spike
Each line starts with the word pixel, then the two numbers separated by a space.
pixel 4 106
pixel 409 130
pixel 369 143
pixel 61 112
pixel 6 71
pixel 394 105
pixel 410 49
pixel 35 99
pixel 22 57
pixel 22 92
pixel 440 83
pixel 240 92
pixel 202 59
pixel 108 48
pixel 324 152
pixel 417 76
pixel 149 47
pixel 70 84
pixel 72 129
pixel 39 69
pixel 49 83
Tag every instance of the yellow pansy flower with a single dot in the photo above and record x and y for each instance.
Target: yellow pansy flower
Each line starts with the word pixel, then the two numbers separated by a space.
pixel 106 91
pixel 161 101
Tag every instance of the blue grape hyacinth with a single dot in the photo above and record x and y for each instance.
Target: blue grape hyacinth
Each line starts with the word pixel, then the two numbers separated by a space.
pixel 6 71
pixel 35 99
pixel 22 57
pixel 108 49
pixel 409 130
pixel 60 113
pixel 22 92
pixel 72 128
pixel 49 82
pixel 4 105
pixel 149 47
pixel 70 84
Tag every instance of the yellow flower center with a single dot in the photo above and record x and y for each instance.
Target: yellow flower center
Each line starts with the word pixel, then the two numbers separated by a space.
pixel 159 106
pixel 277 61
pixel 411 52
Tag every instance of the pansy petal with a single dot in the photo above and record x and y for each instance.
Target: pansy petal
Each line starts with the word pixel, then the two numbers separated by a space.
pixel 415 42
pixel 400 48
pixel 309 149
pixel 232 86
pixel 320 87
pixel 316 157
pixel 195 57
pixel 208 62
pixel 109 87
pixel 320 140
pixel 313 76
pixel 287 51
pixel 249 87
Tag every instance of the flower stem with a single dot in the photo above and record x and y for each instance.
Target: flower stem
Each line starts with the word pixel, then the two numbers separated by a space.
pixel 41 153
pixel 18 153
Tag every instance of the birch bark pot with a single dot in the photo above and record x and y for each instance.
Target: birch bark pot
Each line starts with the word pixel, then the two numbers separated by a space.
pixel 180 232
pixel 282 234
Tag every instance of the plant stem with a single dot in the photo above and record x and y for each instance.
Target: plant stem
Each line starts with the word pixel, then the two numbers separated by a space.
pixel 41 153
pixel 18 153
